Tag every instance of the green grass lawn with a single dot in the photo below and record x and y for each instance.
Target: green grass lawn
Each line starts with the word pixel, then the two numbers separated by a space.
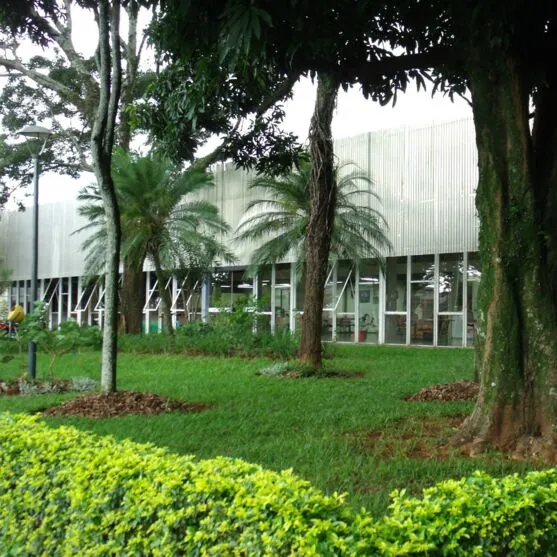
pixel 322 428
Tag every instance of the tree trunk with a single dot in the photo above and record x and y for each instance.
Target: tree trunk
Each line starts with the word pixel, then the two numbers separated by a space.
pixel 322 192
pixel 166 302
pixel 517 338
pixel 133 296
pixel 102 142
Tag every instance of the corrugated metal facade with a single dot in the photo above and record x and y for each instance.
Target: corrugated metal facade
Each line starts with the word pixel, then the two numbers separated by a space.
pixel 425 177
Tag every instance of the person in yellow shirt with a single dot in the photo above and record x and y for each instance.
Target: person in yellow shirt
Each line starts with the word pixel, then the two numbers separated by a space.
pixel 15 317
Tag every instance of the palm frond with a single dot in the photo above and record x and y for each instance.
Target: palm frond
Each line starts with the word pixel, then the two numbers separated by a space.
pixel 281 217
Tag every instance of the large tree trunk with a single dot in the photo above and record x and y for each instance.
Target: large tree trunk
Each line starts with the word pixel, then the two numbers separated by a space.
pixel 102 142
pixel 166 302
pixel 517 337
pixel 322 192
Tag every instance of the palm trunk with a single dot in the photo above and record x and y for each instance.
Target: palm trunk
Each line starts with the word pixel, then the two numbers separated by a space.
pixel 322 192
pixel 166 302
pixel 517 338
pixel 133 296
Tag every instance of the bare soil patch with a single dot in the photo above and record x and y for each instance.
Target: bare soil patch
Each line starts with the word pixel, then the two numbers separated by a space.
pixel 421 438
pixel 449 392
pixel 122 403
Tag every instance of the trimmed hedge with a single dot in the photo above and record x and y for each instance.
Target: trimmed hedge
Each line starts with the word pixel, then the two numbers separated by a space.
pixel 64 492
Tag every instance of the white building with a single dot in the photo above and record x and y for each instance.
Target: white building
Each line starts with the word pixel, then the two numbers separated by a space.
pixel 426 178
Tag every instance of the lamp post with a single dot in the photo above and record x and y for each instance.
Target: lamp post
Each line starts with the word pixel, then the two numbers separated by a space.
pixel 35 137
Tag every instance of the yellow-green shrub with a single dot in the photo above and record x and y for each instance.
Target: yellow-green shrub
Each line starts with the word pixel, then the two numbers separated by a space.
pixel 480 515
pixel 64 492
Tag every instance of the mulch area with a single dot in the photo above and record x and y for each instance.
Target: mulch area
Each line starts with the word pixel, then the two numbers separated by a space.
pixel 449 392
pixel 122 403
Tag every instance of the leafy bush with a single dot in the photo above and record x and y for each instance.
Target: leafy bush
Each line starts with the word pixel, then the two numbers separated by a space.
pixel 65 492
pixel 219 338
pixel 480 515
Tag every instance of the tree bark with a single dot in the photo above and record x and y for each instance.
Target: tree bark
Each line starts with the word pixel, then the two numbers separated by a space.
pixel 133 297
pixel 322 192
pixel 166 302
pixel 102 142
pixel 517 338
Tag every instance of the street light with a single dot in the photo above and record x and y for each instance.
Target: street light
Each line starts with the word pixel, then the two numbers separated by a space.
pixel 35 137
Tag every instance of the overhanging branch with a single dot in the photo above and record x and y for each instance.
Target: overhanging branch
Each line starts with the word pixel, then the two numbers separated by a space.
pixel 45 81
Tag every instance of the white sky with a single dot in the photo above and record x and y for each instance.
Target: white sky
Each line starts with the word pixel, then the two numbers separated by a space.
pixel 354 114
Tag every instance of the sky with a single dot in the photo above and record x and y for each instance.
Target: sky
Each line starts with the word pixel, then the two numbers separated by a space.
pixel 353 115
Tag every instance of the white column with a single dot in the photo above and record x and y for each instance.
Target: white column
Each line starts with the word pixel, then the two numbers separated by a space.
pixel 382 302
pixel 436 301
pixel 292 323
pixel 146 310
pixel 357 302
pixel 465 299
pixel 408 296
pixel 273 298
pixel 334 276
pixel 205 299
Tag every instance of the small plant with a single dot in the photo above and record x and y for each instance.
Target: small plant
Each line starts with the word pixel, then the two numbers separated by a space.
pixel 288 369
pixel 68 337
pixel 83 384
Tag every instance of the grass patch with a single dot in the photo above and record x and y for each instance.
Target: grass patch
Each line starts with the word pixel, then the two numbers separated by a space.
pixel 317 426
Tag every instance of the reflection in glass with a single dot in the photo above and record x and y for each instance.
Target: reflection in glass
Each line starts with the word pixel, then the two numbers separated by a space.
pixel 450 282
pixel 369 302
pixel 421 331
pixel 282 296
pixel 264 288
pixel 327 326
pixel 396 284
pixel 450 330
pixel 473 277
pixel 242 288
pixel 345 327
pixel 423 267
pixel 395 329
pixel 221 286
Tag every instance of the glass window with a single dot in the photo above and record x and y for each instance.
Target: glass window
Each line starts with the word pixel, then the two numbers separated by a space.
pixel 221 289
pixel 369 302
pixel 264 288
pixel 423 268
pixel 395 329
pixel 396 284
pixel 450 330
pixel 473 276
pixel 242 288
pixel 421 318
pixel 451 266
pixel 282 296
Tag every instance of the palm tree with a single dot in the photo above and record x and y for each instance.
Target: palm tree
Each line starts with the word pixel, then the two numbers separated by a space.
pixel 281 218
pixel 158 220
